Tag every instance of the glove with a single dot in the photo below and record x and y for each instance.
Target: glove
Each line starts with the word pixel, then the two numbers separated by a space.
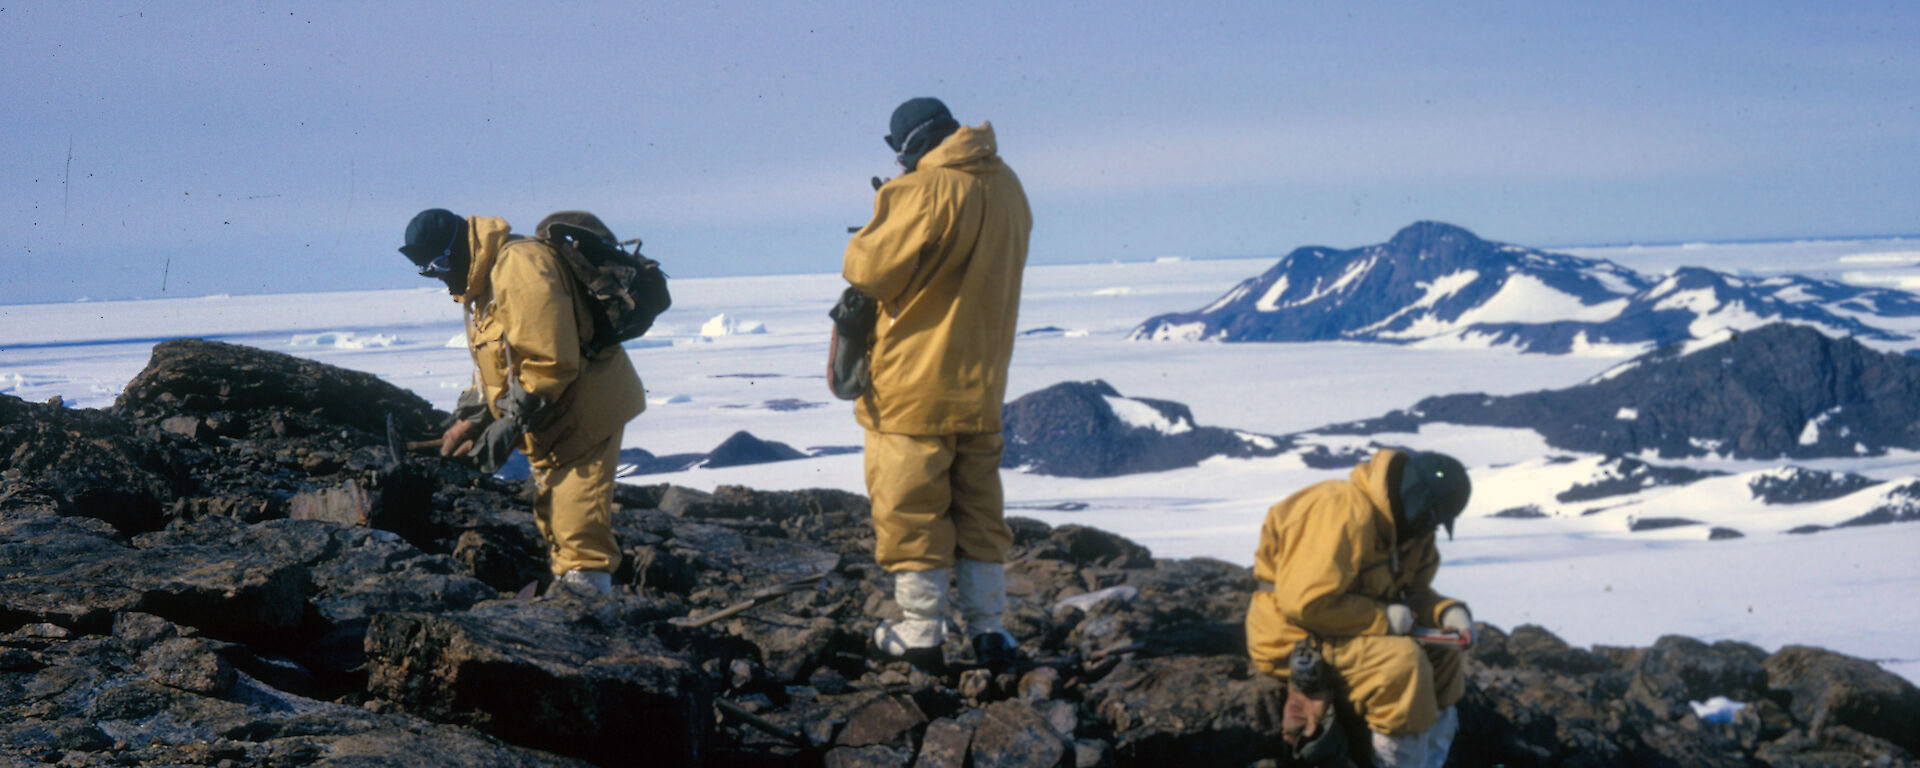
pixel 495 444
pixel 469 408
pixel 1456 618
pixel 1399 619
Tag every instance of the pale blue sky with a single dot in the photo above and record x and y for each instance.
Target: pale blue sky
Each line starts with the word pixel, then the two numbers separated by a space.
pixel 182 149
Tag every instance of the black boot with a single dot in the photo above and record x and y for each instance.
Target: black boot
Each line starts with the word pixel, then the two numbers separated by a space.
pixel 995 651
pixel 928 660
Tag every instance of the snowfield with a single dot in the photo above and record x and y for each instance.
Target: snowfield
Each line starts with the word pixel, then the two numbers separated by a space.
pixel 1577 568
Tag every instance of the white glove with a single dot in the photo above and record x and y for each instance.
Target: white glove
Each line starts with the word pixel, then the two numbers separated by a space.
pixel 1457 619
pixel 1399 619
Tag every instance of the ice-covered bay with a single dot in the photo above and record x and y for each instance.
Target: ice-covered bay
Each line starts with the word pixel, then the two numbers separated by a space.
pixel 1584 577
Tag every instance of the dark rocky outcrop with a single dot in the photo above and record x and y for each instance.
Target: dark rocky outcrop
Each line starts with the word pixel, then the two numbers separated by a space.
pixel 1798 485
pixel 1898 504
pixel 588 680
pixel 1431 279
pixel 740 449
pixel 1074 429
pixel 1780 391
pixel 385 629
pixel 1619 475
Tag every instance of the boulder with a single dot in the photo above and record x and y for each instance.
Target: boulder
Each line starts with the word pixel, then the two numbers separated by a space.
pixel 944 745
pixel 1826 689
pixel 590 683
pixel 97 701
pixel 1011 734
pixel 86 463
pixel 1188 710
pixel 882 720
pixel 1679 670
pixel 195 376
pixel 68 572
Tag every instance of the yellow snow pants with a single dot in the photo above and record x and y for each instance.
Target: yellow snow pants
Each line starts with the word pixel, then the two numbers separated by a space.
pixel 1399 686
pixel 574 510
pixel 936 498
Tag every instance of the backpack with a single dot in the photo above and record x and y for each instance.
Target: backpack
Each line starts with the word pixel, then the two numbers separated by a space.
pixel 853 319
pixel 626 290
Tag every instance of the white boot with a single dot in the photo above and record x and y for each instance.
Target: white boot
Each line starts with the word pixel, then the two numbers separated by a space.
pixel 1409 751
pixel 922 596
pixel 585 583
pixel 1440 737
pixel 980 592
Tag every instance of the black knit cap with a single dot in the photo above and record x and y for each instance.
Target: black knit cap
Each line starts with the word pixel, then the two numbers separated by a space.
pixel 919 125
pixel 1433 491
pixel 431 235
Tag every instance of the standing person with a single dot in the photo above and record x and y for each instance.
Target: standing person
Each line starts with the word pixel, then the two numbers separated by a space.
pixel 942 257
pixel 537 390
pixel 1348 565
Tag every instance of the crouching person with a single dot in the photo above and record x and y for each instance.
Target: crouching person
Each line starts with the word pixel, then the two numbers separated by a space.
pixel 943 258
pixel 536 389
pixel 1347 566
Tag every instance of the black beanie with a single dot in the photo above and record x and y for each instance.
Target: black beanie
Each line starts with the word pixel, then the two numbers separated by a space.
pixel 918 126
pixel 1433 491
pixel 433 233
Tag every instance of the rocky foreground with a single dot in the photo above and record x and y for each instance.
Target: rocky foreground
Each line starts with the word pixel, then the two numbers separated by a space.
pixel 234 567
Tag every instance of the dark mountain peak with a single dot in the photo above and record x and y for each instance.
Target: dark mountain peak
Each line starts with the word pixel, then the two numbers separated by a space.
pixel 1435 282
pixel 1689 278
pixel 1435 239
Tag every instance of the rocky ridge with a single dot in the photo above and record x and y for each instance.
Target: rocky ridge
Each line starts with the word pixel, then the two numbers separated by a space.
pixel 224 569
pixel 1778 391
pixel 1088 429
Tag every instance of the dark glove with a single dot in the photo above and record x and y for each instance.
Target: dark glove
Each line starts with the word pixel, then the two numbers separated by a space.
pixel 470 408
pixel 520 411
pixel 853 320
pixel 495 444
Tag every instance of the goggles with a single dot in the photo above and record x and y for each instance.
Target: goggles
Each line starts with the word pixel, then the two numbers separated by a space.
pixel 441 265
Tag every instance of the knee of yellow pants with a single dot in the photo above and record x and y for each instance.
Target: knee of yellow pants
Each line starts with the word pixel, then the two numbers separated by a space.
pixel 908 485
pixel 1449 675
pixel 574 510
pixel 1389 681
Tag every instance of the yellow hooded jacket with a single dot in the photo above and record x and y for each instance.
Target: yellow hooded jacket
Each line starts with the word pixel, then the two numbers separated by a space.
pixel 1329 552
pixel 943 255
pixel 525 318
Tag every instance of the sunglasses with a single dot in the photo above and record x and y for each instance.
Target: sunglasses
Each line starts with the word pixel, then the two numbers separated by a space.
pixel 442 264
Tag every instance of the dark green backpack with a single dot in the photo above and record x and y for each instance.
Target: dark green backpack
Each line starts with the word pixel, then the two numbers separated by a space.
pixel 627 290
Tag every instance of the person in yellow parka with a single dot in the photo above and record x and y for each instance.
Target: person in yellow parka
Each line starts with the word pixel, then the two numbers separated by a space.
pixel 1349 564
pixel 943 257
pixel 536 389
